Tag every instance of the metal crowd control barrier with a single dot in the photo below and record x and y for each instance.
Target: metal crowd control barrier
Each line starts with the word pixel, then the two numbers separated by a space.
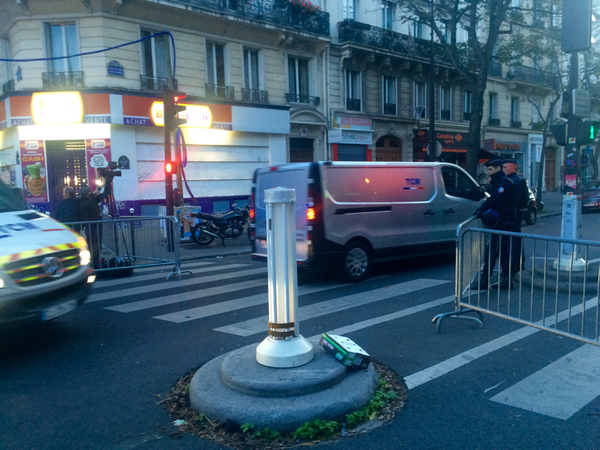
pixel 132 242
pixel 548 291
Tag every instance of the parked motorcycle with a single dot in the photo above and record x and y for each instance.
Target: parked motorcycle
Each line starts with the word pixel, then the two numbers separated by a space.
pixel 230 225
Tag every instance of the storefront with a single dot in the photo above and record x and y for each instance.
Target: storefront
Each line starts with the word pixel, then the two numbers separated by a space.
pixel 351 139
pixel 453 144
pixel 511 149
pixel 52 139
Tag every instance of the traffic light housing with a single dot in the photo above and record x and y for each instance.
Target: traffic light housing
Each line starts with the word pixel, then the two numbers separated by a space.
pixel 587 131
pixel 559 131
pixel 170 167
pixel 173 110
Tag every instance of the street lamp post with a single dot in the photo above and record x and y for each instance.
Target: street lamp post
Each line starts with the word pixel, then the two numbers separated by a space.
pixel 432 156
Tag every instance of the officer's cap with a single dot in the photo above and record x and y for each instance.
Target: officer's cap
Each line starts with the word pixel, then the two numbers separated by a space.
pixel 494 163
pixel 510 161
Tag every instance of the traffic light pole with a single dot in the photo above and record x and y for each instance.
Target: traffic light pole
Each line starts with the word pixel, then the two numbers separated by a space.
pixel 168 176
pixel 572 122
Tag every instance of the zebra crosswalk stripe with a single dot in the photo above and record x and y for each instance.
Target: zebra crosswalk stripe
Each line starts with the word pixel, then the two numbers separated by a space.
pixel 175 284
pixel 258 325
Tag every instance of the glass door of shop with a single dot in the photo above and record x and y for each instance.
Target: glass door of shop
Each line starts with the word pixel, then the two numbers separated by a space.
pixel 66 166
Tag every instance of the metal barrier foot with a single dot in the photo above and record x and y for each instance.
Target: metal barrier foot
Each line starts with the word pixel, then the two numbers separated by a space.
pixel 437 320
pixel 177 273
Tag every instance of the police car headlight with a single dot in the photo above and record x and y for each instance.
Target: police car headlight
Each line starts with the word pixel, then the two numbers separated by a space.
pixel 85 257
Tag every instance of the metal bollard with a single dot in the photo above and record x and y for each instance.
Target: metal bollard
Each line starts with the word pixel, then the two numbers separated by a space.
pixel 571 229
pixel 132 231
pixel 284 347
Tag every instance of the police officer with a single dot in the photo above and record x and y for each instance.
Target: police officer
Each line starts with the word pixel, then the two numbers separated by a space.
pixel 498 212
pixel 522 193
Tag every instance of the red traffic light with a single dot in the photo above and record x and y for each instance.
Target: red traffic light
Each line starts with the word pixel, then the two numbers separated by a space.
pixel 178 96
pixel 172 110
pixel 170 167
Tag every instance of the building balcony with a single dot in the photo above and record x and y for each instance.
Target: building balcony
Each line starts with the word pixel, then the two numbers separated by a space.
pixel 272 12
pixel 529 75
pixel 9 86
pixel 254 96
pixel 156 84
pixel 295 98
pixel 389 108
pixel 219 92
pixel 60 80
pixel 515 124
pixel 387 41
pixel 445 114
pixel 493 122
pixel 353 104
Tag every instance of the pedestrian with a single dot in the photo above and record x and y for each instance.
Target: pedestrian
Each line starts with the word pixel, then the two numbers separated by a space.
pixel 68 210
pixel 89 211
pixel 498 212
pixel 522 193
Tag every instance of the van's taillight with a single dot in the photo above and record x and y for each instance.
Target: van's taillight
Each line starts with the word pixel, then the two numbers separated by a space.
pixel 311 213
pixel 251 213
pixel 252 234
pixel 252 200
pixel 273 169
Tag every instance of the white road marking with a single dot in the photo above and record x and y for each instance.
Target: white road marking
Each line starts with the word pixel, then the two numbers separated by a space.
pixel 444 367
pixel 240 303
pixel 392 316
pixel 187 296
pixel 560 389
pixel 153 276
pixel 258 325
pixel 175 284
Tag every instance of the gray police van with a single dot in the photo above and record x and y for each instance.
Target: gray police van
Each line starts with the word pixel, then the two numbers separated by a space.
pixel 350 214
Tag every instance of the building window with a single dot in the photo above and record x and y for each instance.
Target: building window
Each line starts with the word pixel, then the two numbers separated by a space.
pixel 62 41
pixel 215 64
pixel 350 8
pixel 445 29
pixel 389 95
pixel 445 103
pixel 515 3
pixel 353 91
pixel 420 99
pixel 388 14
pixel 493 106
pixel 514 109
pixel 298 79
pixel 251 70
pixel 418 29
pixel 535 111
pixel 467 95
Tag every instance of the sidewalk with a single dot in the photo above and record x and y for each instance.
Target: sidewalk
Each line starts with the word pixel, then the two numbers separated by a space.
pixel 552 204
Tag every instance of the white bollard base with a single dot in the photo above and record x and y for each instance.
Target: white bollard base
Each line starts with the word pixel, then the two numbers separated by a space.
pixel 284 353
pixel 579 265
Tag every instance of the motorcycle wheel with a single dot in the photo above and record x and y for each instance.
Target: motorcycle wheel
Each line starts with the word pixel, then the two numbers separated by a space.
pixel 201 238
pixel 531 216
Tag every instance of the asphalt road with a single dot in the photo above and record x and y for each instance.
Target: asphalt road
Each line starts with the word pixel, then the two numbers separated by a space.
pixel 93 379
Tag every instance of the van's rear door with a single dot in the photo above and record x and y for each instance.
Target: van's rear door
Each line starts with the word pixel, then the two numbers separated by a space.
pixel 291 176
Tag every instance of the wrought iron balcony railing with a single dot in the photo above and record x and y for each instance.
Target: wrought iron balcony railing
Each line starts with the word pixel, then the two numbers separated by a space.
pixel 445 114
pixel 515 124
pixel 219 92
pixel 54 80
pixel 532 76
pixel 270 11
pixel 389 108
pixel 493 122
pixel 156 84
pixel 381 38
pixel 9 86
pixel 254 96
pixel 353 104
pixel 295 98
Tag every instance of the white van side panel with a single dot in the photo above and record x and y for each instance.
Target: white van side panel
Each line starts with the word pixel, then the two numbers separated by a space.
pixel 391 206
pixel 292 177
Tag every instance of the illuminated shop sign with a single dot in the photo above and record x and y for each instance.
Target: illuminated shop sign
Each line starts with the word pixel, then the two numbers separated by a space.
pixel 197 116
pixel 56 107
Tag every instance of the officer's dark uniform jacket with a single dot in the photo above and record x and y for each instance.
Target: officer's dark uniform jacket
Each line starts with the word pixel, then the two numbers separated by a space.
pixel 502 199
pixel 520 191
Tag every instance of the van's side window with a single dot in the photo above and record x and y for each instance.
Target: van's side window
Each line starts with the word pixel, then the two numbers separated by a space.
pixel 457 184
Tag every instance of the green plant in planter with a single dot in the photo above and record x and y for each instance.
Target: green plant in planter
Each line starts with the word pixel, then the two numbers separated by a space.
pixel 302 7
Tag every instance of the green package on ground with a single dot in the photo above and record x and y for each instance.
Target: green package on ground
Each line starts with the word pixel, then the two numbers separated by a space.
pixel 346 351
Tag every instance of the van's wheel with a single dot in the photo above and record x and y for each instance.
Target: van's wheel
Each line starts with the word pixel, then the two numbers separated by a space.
pixel 200 238
pixel 531 217
pixel 356 262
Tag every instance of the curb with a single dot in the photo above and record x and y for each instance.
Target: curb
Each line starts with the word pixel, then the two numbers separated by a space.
pixel 220 255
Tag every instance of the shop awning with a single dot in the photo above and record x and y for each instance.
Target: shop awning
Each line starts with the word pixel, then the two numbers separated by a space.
pixel 484 156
